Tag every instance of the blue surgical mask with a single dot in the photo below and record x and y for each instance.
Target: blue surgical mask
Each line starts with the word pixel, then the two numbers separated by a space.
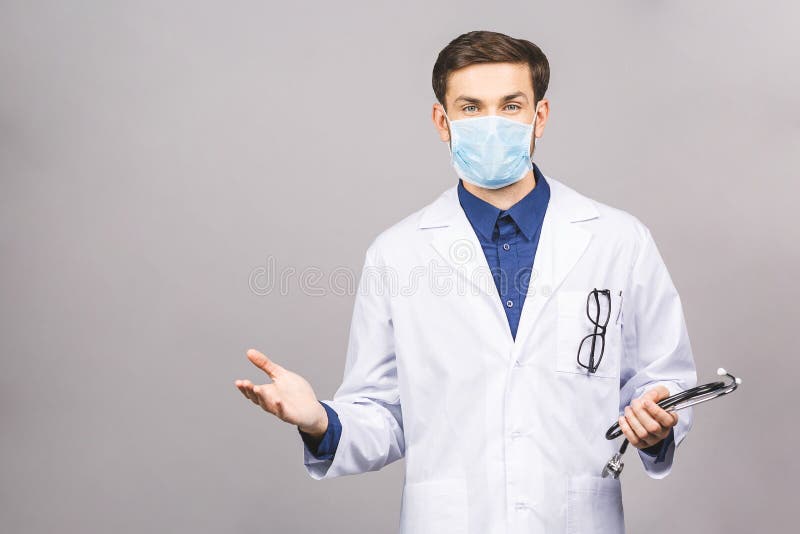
pixel 491 151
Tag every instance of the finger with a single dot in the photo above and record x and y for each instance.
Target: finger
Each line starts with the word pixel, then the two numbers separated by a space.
pixel 652 426
pixel 640 431
pixel 659 414
pixel 240 385
pixel 674 416
pixel 626 429
pixel 248 387
pixel 265 364
pixel 259 397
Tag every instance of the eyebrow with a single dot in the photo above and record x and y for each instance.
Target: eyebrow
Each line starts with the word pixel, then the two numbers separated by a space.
pixel 506 98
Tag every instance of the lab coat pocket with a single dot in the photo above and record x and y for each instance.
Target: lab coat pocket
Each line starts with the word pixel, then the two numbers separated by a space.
pixel 574 324
pixel 594 505
pixel 434 507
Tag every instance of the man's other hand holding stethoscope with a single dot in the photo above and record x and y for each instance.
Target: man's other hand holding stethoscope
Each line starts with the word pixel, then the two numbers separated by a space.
pixel 645 423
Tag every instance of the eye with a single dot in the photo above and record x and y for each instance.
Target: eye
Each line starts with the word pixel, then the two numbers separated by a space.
pixel 515 105
pixel 469 106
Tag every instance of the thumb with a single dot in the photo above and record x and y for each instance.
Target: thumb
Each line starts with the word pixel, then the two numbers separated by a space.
pixel 265 364
pixel 657 393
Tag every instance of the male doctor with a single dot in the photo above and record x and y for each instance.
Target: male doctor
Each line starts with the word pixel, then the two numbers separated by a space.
pixel 499 331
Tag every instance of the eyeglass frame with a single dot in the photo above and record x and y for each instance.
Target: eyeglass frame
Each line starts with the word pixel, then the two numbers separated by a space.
pixel 592 367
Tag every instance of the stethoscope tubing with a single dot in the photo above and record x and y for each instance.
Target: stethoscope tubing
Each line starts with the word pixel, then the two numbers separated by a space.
pixel 689 397
pixel 673 403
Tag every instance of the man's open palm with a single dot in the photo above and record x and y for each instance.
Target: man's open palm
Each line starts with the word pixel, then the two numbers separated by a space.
pixel 289 397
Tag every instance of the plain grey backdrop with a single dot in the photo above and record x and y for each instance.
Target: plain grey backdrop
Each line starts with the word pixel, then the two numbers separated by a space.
pixel 156 156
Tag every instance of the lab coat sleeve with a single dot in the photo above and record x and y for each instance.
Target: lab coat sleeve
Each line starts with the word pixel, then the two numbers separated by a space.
pixel 655 343
pixel 368 401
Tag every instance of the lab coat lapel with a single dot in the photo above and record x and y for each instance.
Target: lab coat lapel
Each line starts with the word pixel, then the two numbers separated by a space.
pixel 561 245
pixel 455 241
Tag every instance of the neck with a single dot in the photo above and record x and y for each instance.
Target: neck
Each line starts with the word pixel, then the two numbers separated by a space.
pixel 504 197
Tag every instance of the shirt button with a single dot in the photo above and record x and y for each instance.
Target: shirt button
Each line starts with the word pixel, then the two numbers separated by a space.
pixel 509 303
pixel 506 246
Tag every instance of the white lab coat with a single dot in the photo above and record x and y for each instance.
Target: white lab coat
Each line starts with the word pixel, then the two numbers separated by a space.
pixel 504 436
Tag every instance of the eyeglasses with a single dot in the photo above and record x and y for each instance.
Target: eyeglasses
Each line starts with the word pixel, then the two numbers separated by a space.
pixel 598 308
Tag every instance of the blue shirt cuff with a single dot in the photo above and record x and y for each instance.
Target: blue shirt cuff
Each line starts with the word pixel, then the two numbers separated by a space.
pixel 659 450
pixel 324 448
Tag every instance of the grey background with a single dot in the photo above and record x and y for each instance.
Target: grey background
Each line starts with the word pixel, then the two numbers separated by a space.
pixel 154 155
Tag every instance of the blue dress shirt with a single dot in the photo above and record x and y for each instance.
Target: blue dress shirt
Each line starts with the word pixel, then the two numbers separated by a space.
pixel 509 239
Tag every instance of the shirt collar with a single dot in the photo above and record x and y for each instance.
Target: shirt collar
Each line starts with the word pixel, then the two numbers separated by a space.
pixel 527 213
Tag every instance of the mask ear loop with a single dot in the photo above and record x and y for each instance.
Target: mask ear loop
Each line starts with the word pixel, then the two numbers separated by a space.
pixel 533 129
pixel 449 132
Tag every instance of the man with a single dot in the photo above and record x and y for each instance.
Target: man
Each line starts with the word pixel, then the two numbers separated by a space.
pixel 532 318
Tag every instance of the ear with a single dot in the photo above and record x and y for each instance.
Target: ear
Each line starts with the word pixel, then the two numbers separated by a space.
pixel 541 119
pixel 440 122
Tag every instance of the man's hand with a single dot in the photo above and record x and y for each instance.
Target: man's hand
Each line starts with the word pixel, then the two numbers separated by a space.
pixel 289 396
pixel 645 423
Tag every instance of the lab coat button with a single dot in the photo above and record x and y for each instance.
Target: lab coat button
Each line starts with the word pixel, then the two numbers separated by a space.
pixel 517 364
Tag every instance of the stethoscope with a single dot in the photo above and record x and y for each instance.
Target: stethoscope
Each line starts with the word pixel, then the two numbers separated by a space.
pixel 676 402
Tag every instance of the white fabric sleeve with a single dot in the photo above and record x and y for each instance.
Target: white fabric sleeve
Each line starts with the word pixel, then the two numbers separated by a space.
pixel 656 343
pixel 368 400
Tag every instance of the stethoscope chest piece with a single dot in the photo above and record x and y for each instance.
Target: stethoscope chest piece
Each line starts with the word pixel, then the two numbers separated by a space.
pixel 614 466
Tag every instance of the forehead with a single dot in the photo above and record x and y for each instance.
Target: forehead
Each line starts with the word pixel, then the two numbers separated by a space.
pixel 490 81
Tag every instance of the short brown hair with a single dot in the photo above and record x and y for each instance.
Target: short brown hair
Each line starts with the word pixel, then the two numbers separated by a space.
pixel 490 47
